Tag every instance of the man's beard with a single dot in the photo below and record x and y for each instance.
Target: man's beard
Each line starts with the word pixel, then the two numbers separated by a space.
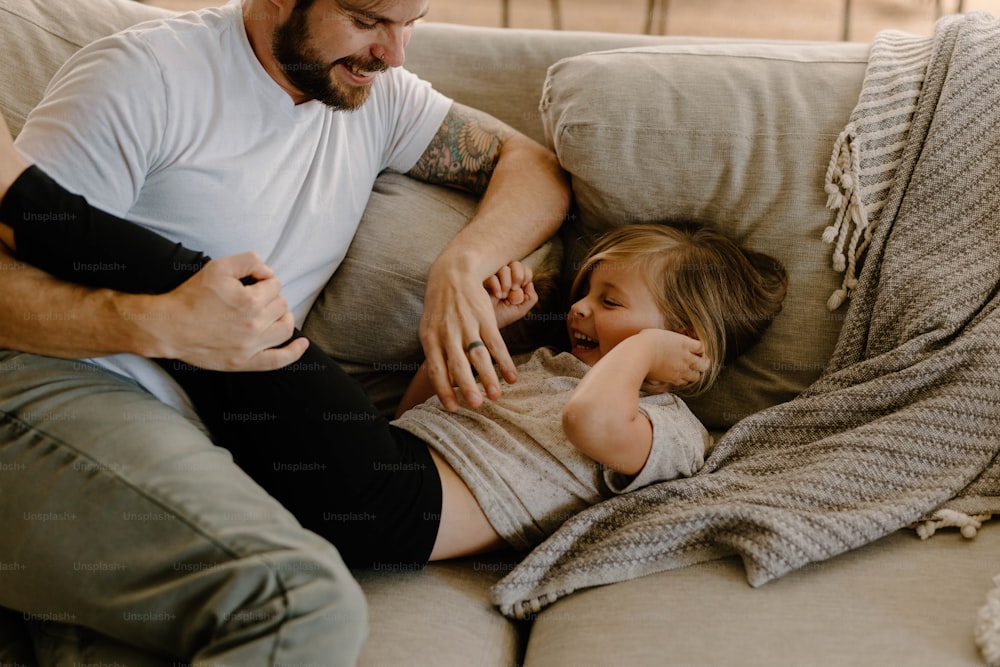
pixel 303 67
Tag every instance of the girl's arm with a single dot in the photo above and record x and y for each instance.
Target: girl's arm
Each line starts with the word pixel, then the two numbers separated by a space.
pixel 513 294
pixel 602 417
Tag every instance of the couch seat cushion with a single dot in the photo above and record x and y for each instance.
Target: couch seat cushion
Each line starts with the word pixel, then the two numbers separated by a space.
pixel 898 601
pixel 440 615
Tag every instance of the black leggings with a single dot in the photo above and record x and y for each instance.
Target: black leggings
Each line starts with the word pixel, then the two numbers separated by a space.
pixel 307 432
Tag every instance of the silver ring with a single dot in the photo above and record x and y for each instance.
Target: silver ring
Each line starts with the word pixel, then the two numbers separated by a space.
pixel 473 345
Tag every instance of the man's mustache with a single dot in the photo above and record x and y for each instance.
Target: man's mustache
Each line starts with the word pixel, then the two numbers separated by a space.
pixel 361 64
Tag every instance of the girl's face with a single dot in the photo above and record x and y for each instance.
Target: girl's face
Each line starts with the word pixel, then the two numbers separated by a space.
pixel 617 304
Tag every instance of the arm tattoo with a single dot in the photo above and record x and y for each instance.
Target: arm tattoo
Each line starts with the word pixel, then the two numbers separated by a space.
pixel 464 152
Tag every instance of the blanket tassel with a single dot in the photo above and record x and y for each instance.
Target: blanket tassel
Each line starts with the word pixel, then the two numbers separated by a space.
pixel 843 197
pixel 967 524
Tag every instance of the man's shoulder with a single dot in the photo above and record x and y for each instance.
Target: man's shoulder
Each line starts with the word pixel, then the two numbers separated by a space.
pixel 184 36
pixel 400 83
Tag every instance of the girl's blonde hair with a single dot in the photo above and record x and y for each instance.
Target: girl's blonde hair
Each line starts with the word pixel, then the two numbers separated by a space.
pixel 706 286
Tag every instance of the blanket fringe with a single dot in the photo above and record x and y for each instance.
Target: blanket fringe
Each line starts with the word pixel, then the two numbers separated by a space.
pixel 843 195
pixel 869 149
pixel 527 610
pixel 988 625
pixel 967 524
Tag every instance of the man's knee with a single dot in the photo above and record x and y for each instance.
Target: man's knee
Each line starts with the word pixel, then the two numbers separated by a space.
pixel 294 607
pixel 332 603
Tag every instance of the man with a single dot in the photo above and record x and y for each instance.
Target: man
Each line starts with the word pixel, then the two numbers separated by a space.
pixel 255 127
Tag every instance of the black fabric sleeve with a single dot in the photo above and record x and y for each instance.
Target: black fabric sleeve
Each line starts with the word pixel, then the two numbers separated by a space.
pixel 59 232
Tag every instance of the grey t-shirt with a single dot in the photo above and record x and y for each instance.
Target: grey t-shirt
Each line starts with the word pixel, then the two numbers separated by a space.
pixel 514 457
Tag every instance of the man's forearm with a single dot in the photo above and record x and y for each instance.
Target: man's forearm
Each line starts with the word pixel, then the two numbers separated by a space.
pixel 524 204
pixel 43 315
pixel 211 321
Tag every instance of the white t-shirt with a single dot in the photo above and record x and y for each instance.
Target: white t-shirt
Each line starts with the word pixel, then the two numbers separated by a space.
pixel 175 124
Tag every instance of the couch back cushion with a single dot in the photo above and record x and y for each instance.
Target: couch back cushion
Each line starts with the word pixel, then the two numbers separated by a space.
pixel 737 136
pixel 37 36
pixel 501 70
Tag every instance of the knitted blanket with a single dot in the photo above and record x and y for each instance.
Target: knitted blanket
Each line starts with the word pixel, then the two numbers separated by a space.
pixel 904 425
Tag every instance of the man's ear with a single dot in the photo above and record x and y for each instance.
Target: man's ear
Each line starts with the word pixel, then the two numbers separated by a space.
pixel 284 8
pixel 273 11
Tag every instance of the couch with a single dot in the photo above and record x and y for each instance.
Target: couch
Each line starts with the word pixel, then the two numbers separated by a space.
pixel 737 133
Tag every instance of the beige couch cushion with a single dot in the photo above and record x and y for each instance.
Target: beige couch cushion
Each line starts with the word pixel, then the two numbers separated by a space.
pixel 37 36
pixel 737 136
pixel 440 616
pixel 898 601
pixel 501 70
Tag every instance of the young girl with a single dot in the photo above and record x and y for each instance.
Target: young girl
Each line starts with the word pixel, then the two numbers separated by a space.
pixel 596 420
pixel 654 306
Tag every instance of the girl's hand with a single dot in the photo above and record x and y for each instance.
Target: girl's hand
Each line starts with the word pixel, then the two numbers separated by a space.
pixel 676 360
pixel 512 292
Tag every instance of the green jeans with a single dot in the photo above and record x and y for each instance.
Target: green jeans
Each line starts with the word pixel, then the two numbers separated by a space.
pixel 125 532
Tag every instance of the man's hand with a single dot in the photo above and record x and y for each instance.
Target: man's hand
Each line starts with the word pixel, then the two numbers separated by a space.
pixel 512 294
pixel 459 328
pixel 215 321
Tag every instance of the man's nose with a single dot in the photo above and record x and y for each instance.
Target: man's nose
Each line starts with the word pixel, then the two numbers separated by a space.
pixel 391 48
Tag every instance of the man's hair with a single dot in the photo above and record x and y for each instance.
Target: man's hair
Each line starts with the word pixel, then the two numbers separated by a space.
pixel 705 285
